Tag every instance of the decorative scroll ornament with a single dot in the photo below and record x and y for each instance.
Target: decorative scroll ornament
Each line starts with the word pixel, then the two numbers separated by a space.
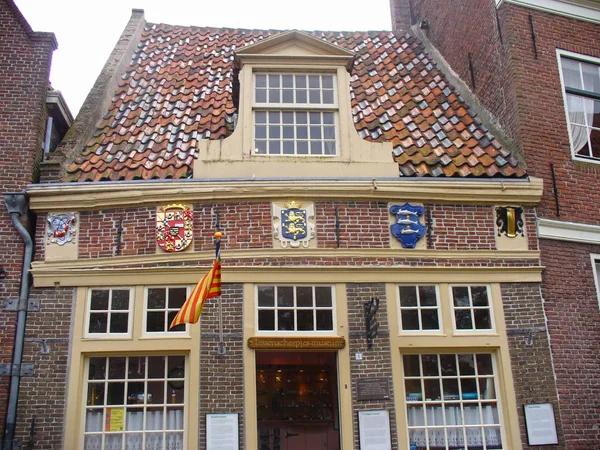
pixel 293 226
pixel 509 220
pixel 174 227
pixel 408 229
pixel 61 228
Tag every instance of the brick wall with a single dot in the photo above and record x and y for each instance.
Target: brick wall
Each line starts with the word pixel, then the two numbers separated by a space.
pixel 457 227
pixel 573 313
pixel 24 63
pixel 531 365
pixel 222 376
pixel 374 361
pixel 43 396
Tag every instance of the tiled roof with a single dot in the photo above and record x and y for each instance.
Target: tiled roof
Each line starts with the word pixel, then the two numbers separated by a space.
pixel 179 89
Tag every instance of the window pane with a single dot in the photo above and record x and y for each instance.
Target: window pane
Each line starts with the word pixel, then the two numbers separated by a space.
pixel 466 365
pixel 156 366
pixel 461 295
pixel 156 298
pixel 285 296
pixel 274 96
pixel 274 81
pixel 302 132
pixel 137 367
pixel 288 148
pixel 288 132
pixel 120 299
pixel 429 317
pixel 116 368
pixel 301 96
pixel 177 297
pixel 260 96
pixel 448 363
pixel 302 148
pixel 314 81
pixel 484 364
pixel 328 97
pixel 408 296
pixel 463 320
pixel 266 296
pixel 260 117
pixel 432 389
pixel 285 320
pixel 176 328
pixel 324 320
pixel 427 296
pixel 99 299
pixel 119 322
pixel 97 369
pixel 301 117
pixel 274 117
pixel 314 96
pixel 305 320
pixel 482 319
pixel 116 393
pixel 261 81
pixel 274 148
pixel 300 81
pixel 479 294
pixel 411 366
pixel 304 297
pixel 430 365
pixel 316 148
pixel 323 296
pixel 274 132
pixel 288 96
pixel 155 322
pixel 266 320
pixel 95 395
pixel 410 319
pixel 98 322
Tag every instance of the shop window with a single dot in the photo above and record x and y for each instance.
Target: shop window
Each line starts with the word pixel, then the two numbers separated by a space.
pixel 135 402
pixel 109 313
pixel 162 305
pixel 419 308
pixel 472 308
pixel 295 308
pixel 581 89
pixel 295 114
pixel 451 401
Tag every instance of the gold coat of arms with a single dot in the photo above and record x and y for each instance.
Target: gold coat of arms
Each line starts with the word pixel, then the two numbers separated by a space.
pixel 174 227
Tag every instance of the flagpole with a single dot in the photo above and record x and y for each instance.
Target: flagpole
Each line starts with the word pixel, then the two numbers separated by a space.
pixel 221 350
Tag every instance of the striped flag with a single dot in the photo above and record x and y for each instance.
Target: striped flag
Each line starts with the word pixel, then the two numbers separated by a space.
pixel 208 287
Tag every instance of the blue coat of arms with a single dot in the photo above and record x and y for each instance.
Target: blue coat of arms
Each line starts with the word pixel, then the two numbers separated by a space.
pixel 408 229
pixel 293 225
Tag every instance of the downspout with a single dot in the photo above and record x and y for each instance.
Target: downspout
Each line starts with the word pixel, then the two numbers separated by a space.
pixel 17 205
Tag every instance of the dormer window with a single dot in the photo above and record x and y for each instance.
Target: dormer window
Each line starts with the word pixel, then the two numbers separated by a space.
pixel 295 114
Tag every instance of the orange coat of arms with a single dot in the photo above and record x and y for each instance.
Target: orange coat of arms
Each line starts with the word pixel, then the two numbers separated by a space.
pixel 174 227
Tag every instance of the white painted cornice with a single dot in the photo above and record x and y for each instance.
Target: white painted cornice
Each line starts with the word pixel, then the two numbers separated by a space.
pixel 568 231
pixel 587 10
pixel 90 196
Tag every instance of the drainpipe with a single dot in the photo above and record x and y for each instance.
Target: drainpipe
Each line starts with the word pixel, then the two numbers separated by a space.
pixel 17 205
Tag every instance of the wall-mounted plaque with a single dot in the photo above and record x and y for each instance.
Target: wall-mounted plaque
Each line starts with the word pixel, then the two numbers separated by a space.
pixel 541 427
pixel 222 431
pixel 297 343
pixel 374 430
pixel 372 389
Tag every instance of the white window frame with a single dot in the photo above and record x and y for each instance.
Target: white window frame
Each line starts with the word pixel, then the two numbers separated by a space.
pixel 461 402
pixel 144 404
pixel 596 271
pixel 583 58
pixel 490 308
pixel 163 334
pixel 418 308
pixel 295 309
pixel 108 334
pixel 296 107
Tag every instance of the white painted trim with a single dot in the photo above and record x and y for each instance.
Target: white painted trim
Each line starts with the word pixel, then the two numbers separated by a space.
pixel 585 58
pixel 568 231
pixel 596 270
pixel 585 10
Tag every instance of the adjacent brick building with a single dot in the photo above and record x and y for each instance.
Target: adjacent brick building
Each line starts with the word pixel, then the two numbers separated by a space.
pixel 380 260
pixel 534 65
pixel 33 117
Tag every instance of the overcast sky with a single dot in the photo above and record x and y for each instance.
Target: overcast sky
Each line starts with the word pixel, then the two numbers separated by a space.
pixel 87 31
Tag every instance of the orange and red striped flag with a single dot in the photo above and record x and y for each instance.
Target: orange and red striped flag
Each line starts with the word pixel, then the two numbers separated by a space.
pixel 208 287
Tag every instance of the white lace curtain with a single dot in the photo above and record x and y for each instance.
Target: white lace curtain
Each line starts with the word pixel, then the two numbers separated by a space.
pixel 580 110
pixel 134 421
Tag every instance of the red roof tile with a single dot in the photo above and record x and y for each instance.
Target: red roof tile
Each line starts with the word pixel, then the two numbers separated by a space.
pixel 179 89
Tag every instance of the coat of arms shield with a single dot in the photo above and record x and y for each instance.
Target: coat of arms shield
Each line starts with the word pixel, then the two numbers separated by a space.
pixel 174 227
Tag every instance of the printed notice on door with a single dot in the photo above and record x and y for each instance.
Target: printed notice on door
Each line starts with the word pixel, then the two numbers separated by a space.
pixel 222 432
pixel 374 430
pixel 541 428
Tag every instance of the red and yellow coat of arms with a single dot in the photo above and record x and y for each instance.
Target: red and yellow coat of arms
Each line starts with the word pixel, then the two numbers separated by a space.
pixel 174 227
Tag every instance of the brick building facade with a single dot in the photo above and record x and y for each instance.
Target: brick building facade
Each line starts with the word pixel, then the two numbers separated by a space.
pixel 283 358
pixel 517 66
pixel 26 103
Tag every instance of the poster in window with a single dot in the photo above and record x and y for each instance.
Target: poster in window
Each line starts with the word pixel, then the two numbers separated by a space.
pixel 114 419
pixel 374 430
pixel 222 431
pixel 539 420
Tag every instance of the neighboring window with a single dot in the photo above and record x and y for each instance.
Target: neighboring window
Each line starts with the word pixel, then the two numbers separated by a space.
pixel 596 269
pixel 295 114
pixel 581 81
pixel 451 401
pixel 419 309
pixel 109 312
pixel 162 305
pixel 295 308
pixel 135 402
pixel 472 309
